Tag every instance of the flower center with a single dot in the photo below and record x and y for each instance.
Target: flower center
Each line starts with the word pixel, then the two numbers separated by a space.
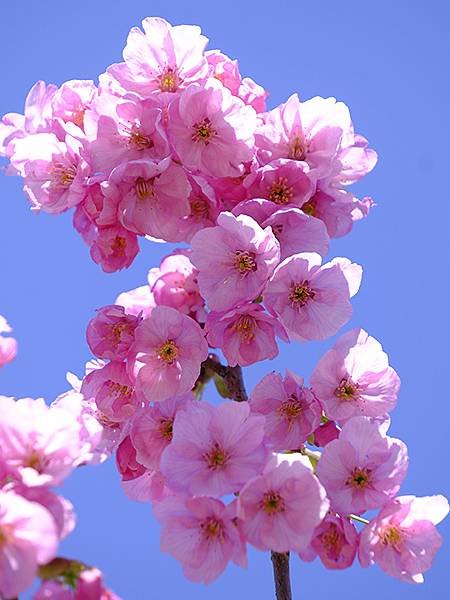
pixel 245 327
pixel 4 535
pixel 347 389
pixel 203 131
pixel 199 208
pixel 140 140
pixel 166 429
pixel 392 536
pixel 290 408
pixel 310 208
pixel 144 188
pixel 297 148
pixel 116 331
pixel 332 541
pixel 212 528
pixel 359 478
pixel 119 244
pixel 272 503
pixel 280 191
pixel 168 352
pixel 244 261
pixel 301 294
pixel 34 461
pixel 169 80
pixel 121 392
pixel 62 176
pixel 216 458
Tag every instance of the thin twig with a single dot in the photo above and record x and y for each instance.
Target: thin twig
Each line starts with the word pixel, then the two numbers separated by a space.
pixel 280 562
pixel 232 377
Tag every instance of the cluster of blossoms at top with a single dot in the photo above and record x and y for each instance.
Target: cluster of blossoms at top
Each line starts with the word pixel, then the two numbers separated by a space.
pixel 172 137
pixel 173 144
pixel 40 445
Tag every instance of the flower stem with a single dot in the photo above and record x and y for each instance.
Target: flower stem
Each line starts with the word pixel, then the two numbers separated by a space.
pixel 280 563
pixel 360 519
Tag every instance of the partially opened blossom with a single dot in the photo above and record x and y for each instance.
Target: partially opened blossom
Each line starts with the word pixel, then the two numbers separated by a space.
pixel 110 333
pixel 203 534
pixel 363 468
pixel 40 444
pixel 211 130
pixel 403 539
pixel 28 538
pixel 234 260
pixel 335 541
pixel 72 99
pixel 203 205
pixel 89 586
pixel 291 410
pixel 152 428
pixel 113 391
pixel 114 248
pixel 162 58
pixel 245 334
pixel 8 345
pixel 281 508
pixel 354 378
pixel 312 300
pixel 214 450
pixel 170 348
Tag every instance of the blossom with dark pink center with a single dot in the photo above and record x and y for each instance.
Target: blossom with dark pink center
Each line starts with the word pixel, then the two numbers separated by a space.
pixel 234 259
pixel 312 300
pixel 281 508
pixel 152 428
pixel 170 348
pixel 363 468
pixel 291 410
pixel 113 391
pixel 8 345
pixel 28 538
pixel 203 534
pixel 335 541
pixel 214 450
pixel 403 539
pixel 162 58
pixel 114 248
pixel 211 130
pixel 110 333
pixel 245 334
pixel 354 378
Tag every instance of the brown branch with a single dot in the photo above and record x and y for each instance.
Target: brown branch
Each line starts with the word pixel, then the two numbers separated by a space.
pixel 280 563
pixel 231 375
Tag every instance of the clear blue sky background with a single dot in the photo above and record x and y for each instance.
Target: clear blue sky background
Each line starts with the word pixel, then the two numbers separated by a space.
pixel 389 62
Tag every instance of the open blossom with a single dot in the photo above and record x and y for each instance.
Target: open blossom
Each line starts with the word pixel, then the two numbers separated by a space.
pixel 281 508
pixel 114 248
pixel 174 284
pixel 170 348
pixel 8 345
pixel 112 388
pixel 152 428
pixel 363 468
pixel 162 58
pixel 110 333
pixel 234 259
pixel 354 378
pixel 403 539
pixel 312 301
pixel 203 534
pixel 211 130
pixel 335 541
pixel 291 410
pixel 245 334
pixel 214 450
pixel 28 538
pixel 39 444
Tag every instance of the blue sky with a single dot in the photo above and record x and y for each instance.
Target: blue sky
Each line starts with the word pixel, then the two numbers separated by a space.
pixel 389 62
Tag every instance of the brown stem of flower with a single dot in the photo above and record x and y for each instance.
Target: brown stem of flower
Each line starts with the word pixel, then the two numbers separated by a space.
pixel 280 562
pixel 231 375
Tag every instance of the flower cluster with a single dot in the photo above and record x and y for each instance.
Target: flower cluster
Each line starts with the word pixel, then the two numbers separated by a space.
pixel 172 137
pixel 174 144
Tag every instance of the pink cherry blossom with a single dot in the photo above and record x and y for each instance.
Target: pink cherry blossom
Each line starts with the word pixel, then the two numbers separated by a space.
pixel 335 541
pixel 137 302
pixel 203 206
pixel 291 410
pixel 226 70
pixel 40 444
pixel 214 450
pixel 110 333
pixel 114 248
pixel 72 99
pixel 281 508
pixel 363 468
pixel 28 538
pixel 8 345
pixel 162 58
pixel 403 539
pixel 203 534
pixel 312 301
pixel 211 130
pixel 234 259
pixel 354 378
pixel 253 94
pixel 245 334
pixel 170 348
pixel 152 429
pixel 89 586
